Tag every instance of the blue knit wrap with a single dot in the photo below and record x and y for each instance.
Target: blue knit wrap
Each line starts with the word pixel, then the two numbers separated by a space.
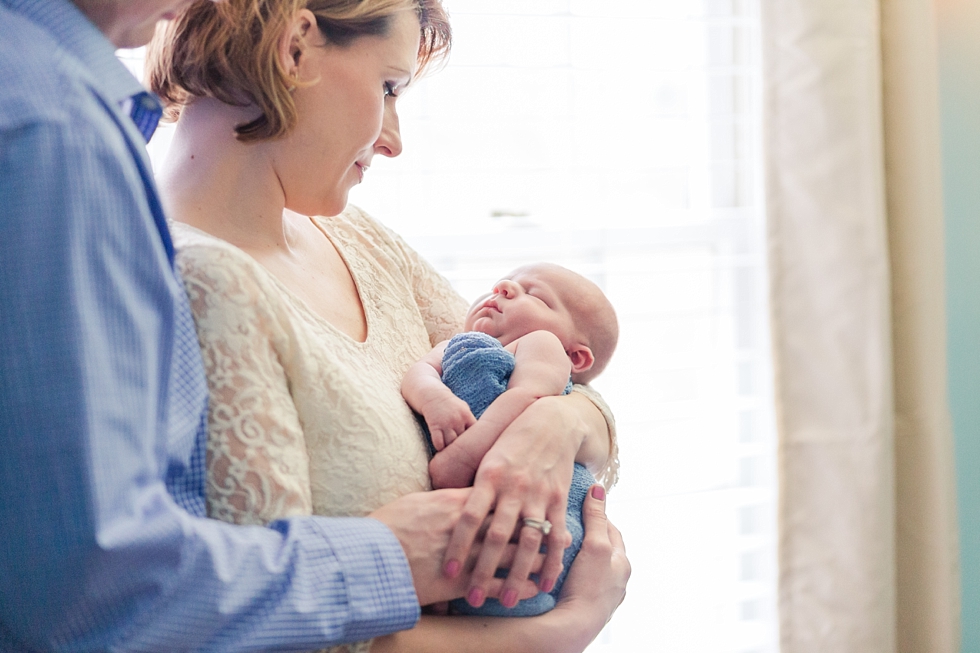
pixel 477 368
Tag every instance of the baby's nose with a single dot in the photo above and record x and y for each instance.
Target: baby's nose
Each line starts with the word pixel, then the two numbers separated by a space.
pixel 507 288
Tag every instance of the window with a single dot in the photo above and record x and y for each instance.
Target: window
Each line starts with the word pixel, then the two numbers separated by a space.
pixel 620 138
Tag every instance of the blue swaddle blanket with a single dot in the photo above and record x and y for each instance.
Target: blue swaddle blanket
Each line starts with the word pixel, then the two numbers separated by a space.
pixel 477 368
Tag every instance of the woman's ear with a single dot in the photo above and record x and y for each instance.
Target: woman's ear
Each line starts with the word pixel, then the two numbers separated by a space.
pixel 581 357
pixel 295 41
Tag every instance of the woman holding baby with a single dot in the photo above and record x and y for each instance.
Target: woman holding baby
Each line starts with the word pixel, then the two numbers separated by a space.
pixel 308 324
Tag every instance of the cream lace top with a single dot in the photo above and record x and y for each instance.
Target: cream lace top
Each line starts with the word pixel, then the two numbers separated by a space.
pixel 303 419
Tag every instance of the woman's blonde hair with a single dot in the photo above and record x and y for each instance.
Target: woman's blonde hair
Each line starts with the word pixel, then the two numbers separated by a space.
pixel 229 51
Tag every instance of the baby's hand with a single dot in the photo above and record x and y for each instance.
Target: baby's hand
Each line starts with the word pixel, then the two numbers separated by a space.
pixel 447 417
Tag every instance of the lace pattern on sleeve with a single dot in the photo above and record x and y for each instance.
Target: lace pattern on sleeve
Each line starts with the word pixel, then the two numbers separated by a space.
pixel 610 471
pixel 258 467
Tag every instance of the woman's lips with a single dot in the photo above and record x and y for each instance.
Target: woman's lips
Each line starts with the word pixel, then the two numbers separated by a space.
pixel 361 169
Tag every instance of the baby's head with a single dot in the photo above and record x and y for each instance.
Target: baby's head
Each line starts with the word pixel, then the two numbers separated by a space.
pixel 544 296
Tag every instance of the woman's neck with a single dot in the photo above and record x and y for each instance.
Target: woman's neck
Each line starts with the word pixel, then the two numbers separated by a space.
pixel 216 183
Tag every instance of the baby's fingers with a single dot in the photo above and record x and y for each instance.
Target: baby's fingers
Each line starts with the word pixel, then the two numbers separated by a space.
pixel 437 437
pixel 450 436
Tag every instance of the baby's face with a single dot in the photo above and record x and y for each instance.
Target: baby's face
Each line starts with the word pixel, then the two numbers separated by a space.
pixel 532 298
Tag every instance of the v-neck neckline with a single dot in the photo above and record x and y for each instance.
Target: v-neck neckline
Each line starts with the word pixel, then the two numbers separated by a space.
pixel 299 302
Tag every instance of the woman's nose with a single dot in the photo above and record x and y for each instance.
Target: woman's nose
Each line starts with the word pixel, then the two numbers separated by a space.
pixel 389 142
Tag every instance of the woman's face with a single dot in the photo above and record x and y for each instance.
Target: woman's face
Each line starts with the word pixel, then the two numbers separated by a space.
pixel 345 105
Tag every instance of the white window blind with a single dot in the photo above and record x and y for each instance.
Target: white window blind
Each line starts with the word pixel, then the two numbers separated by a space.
pixel 620 138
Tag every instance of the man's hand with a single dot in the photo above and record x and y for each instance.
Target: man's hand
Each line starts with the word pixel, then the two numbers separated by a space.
pixel 423 522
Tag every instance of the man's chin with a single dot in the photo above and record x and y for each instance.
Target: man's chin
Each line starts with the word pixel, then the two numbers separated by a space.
pixel 136 37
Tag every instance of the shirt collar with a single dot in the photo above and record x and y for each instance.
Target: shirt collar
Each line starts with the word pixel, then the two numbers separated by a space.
pixel 81 38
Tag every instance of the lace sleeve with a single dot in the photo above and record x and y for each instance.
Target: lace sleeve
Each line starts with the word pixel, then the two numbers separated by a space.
pixel 610 471
pixel 442 308
pixel 258 468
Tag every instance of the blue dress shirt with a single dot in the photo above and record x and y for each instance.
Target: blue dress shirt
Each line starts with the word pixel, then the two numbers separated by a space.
pixel 103 543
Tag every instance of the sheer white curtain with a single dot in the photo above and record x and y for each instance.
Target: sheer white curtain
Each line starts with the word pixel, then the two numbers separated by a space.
pixel 866 523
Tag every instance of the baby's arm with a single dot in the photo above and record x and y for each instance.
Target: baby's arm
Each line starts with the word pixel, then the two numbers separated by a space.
pixel 541 368
pixel 446 415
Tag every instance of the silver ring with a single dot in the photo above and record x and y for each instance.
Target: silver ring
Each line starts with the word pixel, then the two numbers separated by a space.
pixel 542 525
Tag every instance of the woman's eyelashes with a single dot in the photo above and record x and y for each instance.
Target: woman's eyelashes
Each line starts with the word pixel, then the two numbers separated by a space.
pixel 391 89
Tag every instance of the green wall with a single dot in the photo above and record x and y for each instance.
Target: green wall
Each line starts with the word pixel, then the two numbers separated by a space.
pixel 959 38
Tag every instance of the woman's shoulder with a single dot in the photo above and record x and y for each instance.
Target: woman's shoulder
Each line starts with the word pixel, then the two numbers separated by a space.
pixel 186 238
pixel 213 264
pixel 199 248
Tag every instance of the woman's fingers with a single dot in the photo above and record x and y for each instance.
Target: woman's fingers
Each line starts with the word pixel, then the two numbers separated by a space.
pixel 511 505
pixel 475 511
pixel 601 570
pixel 619 559
pixel 558 540
pixel 597 527
pixel 616 537
pixel 527 553
pixel 510 554
pixel 495 541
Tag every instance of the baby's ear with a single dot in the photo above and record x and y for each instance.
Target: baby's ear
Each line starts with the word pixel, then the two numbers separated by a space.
pixel 581 357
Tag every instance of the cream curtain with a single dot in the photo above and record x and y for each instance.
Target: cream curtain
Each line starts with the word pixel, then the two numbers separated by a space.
pixel 868 559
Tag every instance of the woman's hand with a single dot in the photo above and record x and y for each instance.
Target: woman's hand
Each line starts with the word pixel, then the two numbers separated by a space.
pixel 526 473
pixel 596 583
pixel 593 589
pixel 423 523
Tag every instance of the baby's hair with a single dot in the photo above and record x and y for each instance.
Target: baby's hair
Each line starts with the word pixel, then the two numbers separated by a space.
pixel 596 321
pixel 594 318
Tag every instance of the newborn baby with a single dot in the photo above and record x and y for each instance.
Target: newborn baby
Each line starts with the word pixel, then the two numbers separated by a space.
pixel 542 328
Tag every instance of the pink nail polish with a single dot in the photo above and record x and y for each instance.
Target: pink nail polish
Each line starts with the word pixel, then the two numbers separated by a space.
pixel 452 568
pixel 475 597
pixel 510 598
pixel 547 585
pixel 598 492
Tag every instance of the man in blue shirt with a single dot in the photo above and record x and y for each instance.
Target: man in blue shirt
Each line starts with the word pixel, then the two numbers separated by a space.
pixel 103 540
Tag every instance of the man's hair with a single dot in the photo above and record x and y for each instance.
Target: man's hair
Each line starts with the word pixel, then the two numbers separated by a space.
pixel 229 51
